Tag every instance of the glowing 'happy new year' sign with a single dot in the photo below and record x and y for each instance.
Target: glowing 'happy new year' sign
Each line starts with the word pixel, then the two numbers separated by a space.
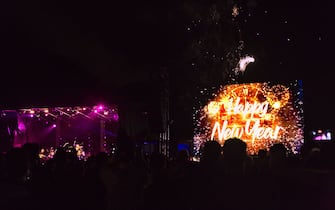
pixel 261 114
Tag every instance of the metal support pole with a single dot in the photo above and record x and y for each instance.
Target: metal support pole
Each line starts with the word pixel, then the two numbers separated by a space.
pixel 58 132
pixel 102 135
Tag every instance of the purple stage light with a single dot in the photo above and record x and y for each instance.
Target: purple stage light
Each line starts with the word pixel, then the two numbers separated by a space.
pixel 101 107
pixel 115 117
pixel 21 126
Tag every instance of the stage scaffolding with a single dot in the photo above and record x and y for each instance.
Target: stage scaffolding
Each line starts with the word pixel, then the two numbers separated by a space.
pixel 95 126
pixel 164 136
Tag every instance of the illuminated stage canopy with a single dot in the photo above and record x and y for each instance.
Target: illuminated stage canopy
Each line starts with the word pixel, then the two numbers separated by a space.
pixel 261 114
pixel 95 127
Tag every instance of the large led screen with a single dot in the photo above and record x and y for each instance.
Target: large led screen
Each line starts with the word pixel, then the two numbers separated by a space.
pixel 261 114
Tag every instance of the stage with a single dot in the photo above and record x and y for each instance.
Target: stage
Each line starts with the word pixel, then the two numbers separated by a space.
pixel 93 128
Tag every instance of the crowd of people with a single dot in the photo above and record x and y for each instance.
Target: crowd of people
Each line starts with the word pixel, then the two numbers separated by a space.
pixel 224 178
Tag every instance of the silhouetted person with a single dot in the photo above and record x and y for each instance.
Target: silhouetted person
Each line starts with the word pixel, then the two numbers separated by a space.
pixel 178 168
pixel 31 151
pixel 125 145
pixel 234 155
pixel 5 136
pixel 282 183
pixel 262 162
pixel 2 166
pixel 94 197
pixel 211 152
pixel 312 156
pixel 14 193
pixel 181 172
pixel 67 179
pixel 122 180
pixel 208 178
pixel 182 156
pixel 262 153
pixel 278 157
pixel 156 191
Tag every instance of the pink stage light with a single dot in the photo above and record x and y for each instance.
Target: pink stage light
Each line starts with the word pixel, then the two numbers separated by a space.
pixel 95 111
pixel 101 107
pixel 115 117
pixel 54 125
pixel 21 126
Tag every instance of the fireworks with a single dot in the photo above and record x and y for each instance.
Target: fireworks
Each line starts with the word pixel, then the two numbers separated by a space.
pixel 243 63
pixel 235 11
pixel 259 113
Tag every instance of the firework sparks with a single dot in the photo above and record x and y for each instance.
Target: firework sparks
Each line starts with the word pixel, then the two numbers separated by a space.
pixel 243 63
pixel 235 11
pixel 259 113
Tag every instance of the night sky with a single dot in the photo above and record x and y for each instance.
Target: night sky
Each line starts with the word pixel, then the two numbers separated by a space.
pixel 68 52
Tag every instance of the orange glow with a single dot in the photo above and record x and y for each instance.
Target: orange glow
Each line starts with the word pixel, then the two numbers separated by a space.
pixel 213 108
pixel 254 112
pixel 276 105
